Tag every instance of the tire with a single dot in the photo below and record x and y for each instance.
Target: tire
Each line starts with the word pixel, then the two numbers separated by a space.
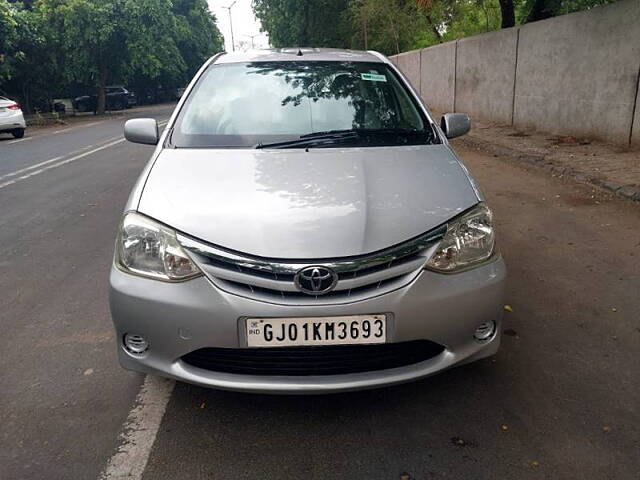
pixel 18 132
pixel 82 107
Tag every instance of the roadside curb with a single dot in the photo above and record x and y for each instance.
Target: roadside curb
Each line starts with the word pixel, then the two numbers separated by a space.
pixel 627 191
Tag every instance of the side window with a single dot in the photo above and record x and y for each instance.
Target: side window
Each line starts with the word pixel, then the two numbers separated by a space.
pixel 410 115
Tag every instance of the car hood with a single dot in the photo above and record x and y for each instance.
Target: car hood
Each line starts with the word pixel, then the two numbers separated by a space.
pixel 293 204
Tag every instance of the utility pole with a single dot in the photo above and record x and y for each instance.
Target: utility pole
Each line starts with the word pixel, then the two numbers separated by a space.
pixel 252 37
pixel 233 45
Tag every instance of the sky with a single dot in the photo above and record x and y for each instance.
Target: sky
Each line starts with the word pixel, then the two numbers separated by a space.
pixel 244 24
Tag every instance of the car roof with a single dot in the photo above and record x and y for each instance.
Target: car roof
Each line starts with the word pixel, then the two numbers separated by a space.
pixel 308 54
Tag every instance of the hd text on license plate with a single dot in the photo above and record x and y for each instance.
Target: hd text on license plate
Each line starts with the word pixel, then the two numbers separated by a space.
pixel 282 332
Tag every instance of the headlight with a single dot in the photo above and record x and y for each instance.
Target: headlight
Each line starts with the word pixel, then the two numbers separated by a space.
pixel 469 240
pixel 147 248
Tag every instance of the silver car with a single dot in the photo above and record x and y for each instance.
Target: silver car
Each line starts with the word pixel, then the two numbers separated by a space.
pixel 304 226
pixel 11 118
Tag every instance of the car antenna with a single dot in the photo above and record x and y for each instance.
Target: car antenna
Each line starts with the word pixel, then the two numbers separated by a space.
pixel 299 54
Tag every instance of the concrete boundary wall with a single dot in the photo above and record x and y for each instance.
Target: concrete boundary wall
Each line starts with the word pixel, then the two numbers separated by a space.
pixel 482 92
pixel 409 63
pixel 438 76
pixel 576 74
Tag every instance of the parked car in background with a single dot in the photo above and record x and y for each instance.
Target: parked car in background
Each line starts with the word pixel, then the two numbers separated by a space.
pixel 304 226
pixel 117 98
pixel 11 118
pixel 132 98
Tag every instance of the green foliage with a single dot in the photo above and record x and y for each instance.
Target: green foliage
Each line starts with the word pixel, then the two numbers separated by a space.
pixel 532 10
pixel 196 34
pixel 472 17
pixel 11 22
pixel 390 26
pixel 303 23
pixel 57 44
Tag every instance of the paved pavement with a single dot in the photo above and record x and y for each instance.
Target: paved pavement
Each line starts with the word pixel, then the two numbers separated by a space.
pixel 63 398
pixel 614 169
pixel 560 400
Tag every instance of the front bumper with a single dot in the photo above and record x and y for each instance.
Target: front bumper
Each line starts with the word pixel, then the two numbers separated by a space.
pixel 178 318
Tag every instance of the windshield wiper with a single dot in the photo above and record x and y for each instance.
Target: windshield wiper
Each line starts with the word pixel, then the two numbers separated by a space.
pixel 312 139
pixel 334 136
pixel 366 131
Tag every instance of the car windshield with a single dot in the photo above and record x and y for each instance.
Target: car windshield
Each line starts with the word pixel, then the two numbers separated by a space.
pixel 263 103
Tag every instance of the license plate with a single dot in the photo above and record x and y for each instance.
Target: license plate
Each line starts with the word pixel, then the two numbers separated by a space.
pixel 282 332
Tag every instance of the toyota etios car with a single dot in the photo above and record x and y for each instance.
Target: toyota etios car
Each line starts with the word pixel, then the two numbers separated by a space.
pixel 304 226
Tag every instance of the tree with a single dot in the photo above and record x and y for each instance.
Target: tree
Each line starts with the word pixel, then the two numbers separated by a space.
pixel 391 25
pixel 305 23
pixel 534 10
pixel 107 39
pixel 196 34
pixel 54 48
pixel 9 37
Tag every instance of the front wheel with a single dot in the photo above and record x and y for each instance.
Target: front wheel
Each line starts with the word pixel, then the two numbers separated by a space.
pixel 18 132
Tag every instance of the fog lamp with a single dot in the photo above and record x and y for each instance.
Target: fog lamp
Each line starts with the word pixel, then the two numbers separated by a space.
pixel 485 331
pixel 135 343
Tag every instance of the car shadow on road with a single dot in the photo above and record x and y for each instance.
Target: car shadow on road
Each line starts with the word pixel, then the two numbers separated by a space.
pixel 447 423
pixel 5 137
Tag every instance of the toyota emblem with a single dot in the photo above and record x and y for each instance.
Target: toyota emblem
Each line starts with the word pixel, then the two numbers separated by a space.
pixel 315 280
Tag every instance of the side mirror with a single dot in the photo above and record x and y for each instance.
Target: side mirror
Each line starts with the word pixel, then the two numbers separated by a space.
pixel 455 124
pixel 142 130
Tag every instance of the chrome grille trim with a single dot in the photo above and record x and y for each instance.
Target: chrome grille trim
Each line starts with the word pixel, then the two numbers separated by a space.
pixel 288 286
pixel 272 280
pixel 346 264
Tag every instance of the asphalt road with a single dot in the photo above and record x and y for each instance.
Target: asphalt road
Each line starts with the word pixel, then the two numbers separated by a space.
pixel 561 400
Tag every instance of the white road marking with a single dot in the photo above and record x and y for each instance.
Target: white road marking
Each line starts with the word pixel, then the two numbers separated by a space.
pixel 26 169
pixel 31 167
pixel 62 131
pixel 76 127
pixel 139 430
pixel 111 142
pixel 59 164
pixel 19 140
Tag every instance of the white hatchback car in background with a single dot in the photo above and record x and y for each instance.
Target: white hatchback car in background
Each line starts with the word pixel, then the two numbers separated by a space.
pixel 11 118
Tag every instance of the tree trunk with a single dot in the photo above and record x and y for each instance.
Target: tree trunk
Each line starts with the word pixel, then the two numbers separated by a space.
pixel 395 37
pixel 26 96
pixel 508 15
pixel 304 37
pixel 486 16
pixel 102 89
pixel 365 31
pixel 541 10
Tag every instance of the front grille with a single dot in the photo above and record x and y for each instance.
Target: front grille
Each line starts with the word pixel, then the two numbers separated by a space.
pixel 272 280
pixel 324 360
